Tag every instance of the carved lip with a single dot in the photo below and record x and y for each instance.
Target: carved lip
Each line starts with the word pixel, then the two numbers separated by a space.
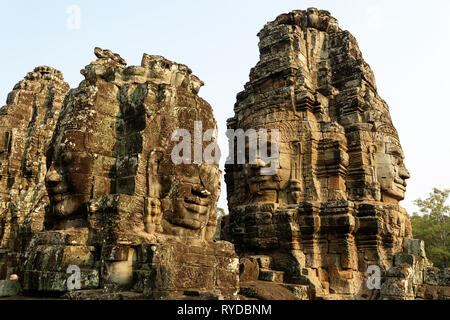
pixel 259 179
pixel 56 189
pixel 196 208
pixel 400 183
pixel 265 182
pixel 196 204
pixel 196 200
pixel 58 196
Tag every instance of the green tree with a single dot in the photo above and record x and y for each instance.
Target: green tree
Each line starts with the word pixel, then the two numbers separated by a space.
pixel 220 214
pixel 433 227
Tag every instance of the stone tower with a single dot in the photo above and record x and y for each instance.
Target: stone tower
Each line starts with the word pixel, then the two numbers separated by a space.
pixel 331 210
pixel 121 211
pixel 26 127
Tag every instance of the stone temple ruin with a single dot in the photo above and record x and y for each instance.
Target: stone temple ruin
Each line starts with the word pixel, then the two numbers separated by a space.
pixel 26 127
pixel 117 207
pixel 88 186
pixel 332 210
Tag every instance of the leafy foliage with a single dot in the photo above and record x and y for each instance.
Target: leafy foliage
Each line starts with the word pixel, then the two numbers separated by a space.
pixel 220 214
pixel 433 227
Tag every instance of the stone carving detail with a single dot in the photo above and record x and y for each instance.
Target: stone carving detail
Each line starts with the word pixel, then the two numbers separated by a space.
pixel 119 207
pixel 27 122
pixel 88 181
pixel 332 209
pixel 114 136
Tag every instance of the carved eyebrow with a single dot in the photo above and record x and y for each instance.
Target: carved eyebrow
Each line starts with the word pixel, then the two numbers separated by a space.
pixel 392 148
pixel 397 152
pixel 396 149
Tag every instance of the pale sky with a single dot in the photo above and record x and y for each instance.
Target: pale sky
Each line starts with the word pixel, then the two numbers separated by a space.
pixel 405 42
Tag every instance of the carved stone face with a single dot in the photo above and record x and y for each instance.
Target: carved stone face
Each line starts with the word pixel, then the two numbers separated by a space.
pixel 294 192
pixel 264 187
pixel 69 176
pixel 152 215
pixel 391 171
pixel 191 206
pixel 189 191
pixel 276 187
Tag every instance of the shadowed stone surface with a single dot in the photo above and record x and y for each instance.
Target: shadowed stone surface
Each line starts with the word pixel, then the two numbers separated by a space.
pixel 9 288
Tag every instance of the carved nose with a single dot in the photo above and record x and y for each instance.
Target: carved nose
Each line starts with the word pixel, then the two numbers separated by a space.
pixel 52 176
pixel 200 192
pixel 404 173
pixel 260 163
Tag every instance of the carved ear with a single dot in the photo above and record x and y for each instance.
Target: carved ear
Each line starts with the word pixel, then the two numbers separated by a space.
pixel 211 224
pixel 372 148
pixel 296 146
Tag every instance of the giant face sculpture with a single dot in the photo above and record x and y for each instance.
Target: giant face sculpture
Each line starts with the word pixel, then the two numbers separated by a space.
pixel 79 158
pixel 263 188
pixel 390 168
pixel 190 190
pixel 278 154
pixel 194 197
pixel 68 178
pixel 77 171
pixel 117 138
